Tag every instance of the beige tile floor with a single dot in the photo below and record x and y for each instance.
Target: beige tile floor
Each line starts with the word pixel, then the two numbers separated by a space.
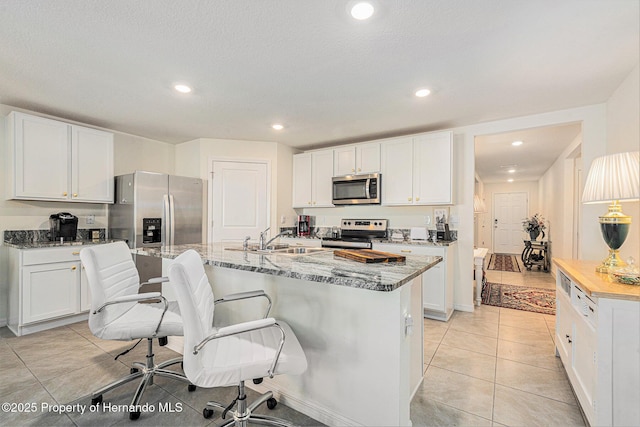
pixel 491 367
pixel 495 367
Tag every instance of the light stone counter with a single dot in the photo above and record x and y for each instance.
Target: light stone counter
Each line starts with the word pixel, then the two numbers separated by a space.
pixel 321 267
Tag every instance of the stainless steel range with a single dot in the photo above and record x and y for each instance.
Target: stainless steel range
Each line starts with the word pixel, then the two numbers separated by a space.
pixel 358 233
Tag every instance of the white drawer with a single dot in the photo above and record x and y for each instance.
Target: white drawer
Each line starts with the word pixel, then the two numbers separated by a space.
pixel 49 255
pixel 585 305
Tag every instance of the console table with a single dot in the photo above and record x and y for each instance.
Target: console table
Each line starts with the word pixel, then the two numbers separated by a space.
pixel 536 253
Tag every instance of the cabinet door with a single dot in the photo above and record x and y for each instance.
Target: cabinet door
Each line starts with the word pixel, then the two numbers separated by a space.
pixel 321 184
pixel 564 327
pixel 368 158
pixel 584 358
pixel 91 165
pixel 85 295
pixel 49 291
pixel 302 180
pixel 432 169
pixel 397 171
pixel 433 288
pixel 344 161
pixel 41 150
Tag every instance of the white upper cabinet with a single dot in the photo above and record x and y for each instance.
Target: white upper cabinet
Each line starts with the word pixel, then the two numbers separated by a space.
pixel 418 170
pixel 356 159
pixel 57 161
pixel 397 171
pixel 91 165
pixel 312 173
pixel 432 169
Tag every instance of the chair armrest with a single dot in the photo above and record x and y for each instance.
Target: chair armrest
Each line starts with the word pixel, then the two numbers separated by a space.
pixel 247 327
pixel 245 295
pixel 155 280
pixel 149 296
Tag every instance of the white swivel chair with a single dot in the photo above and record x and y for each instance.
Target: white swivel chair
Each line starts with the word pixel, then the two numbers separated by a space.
pixel 116 314
pixel 216 357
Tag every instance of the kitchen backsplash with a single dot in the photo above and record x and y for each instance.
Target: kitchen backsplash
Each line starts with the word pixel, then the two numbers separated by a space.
pixel 31 236
pixel 320 232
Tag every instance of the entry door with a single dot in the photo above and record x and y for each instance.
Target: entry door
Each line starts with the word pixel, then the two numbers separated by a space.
pixel 509 210
pixel 239 200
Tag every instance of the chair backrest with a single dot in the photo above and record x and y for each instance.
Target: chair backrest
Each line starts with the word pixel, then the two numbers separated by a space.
pixel 111 273
pixel 195 298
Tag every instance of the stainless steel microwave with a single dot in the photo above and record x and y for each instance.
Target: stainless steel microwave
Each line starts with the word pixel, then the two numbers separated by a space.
pixel 356 189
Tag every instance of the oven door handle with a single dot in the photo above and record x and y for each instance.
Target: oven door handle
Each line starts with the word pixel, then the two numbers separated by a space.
pixel 366 188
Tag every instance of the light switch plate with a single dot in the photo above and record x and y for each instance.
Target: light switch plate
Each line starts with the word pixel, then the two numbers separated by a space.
pixel 91 219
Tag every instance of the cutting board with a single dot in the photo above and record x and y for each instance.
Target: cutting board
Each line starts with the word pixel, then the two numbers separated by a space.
pixel 368 255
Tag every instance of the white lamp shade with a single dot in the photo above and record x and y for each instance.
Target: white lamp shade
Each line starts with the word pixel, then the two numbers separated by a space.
pixel 613 177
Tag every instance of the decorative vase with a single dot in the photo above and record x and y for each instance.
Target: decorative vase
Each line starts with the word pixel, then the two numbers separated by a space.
pixel 533 234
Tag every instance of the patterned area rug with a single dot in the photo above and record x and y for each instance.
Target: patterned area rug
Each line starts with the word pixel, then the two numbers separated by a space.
pixel 503 262
pixel 537 300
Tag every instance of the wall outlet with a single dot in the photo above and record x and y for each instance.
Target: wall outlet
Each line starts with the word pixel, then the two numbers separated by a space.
pixel 283 219
pixel 91 219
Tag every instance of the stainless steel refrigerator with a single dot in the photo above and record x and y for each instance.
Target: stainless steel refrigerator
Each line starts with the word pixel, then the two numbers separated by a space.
pixel 155 209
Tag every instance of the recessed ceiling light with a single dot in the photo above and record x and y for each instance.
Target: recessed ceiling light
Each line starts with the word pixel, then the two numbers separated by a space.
pixel 510 180
pixel 277 126
pixel 362 11
pixel 422 93
pixel 516 143
pixel 511 170
pixel 182 88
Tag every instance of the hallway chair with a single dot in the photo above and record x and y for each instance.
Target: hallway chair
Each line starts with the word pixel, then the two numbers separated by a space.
pixel 216 357
pixel 117 314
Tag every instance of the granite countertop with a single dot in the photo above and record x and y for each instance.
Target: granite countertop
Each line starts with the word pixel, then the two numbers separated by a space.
pixel 53 244
pixel 317 267
pixel 406 241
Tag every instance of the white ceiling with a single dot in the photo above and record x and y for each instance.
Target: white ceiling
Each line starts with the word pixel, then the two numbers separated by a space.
pixel 306 63
pixel 495 155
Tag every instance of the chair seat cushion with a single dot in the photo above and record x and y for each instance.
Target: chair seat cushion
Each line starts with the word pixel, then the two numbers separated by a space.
pixel 140 321
pixel 227 361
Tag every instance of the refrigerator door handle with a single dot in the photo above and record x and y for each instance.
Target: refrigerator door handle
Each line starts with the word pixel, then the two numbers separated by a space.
pixel 172 221
pixel 166 217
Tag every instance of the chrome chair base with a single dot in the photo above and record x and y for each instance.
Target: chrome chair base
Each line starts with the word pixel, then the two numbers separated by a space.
pixel 147 372
pixel 244 414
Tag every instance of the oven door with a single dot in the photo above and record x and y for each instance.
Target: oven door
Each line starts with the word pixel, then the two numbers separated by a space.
pixel 356 189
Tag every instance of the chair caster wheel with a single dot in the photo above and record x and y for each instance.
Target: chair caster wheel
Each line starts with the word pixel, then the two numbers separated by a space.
pixel 191 387
pixel 134 415
pixel 207 413
pixel 133 370
pixel 271 403
pixel 163 341
pixel 96 400
pixel 257 380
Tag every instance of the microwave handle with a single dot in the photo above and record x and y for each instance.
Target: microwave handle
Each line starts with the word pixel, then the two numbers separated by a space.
pixel 366 188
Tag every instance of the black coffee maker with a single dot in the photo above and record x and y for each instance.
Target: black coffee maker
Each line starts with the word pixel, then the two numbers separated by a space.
pixel 63 225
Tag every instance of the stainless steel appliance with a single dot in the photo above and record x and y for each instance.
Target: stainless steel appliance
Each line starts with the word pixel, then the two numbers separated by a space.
pixel 357 189
pixel 358 233
pixel 155 209
pixel 63 226
pixel 304 225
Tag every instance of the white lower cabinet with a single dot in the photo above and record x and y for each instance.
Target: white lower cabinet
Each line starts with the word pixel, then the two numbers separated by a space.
pixel 47 288
pixel 598 341
pixel 437 282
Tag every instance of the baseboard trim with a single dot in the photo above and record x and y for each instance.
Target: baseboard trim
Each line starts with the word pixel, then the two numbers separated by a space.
pixel 464 307
pixel 310 409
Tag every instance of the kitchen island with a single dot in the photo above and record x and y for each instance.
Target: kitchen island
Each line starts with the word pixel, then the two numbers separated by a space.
pixel 360 326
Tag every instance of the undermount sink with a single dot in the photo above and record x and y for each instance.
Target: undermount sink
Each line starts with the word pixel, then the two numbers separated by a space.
pixel 279 250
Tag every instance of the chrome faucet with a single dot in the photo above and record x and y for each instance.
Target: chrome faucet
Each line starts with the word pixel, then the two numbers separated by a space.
pixel 264 245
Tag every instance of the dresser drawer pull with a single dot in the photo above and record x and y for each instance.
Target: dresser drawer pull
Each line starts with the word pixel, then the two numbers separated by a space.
pixel 406 251
pixel 73 268
pixel 75 253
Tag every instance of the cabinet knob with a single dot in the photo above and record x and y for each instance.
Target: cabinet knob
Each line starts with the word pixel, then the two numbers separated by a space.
pixel 409 199
pixel 314 203
pixel 406 251
pixel 353 170
pixel 359 169
pixel 75 253
pixel 75 194
pixel 73 268
pixel 308 203
pixel 417 199
pixel 64 194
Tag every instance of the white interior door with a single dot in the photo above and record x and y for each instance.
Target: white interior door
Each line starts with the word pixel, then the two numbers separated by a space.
pixel 509 210
pixel 239 200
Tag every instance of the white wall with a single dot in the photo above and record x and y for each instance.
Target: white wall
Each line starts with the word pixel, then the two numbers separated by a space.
pixel 623 134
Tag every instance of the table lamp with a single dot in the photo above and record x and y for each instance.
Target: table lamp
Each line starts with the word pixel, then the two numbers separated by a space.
pixel 613 178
